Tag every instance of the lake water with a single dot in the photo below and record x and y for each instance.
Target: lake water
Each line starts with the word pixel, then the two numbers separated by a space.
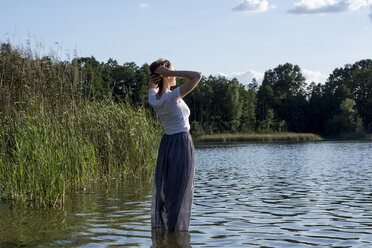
pixel 246 195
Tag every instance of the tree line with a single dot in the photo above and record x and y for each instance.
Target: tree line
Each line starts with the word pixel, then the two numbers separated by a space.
pixel 341 106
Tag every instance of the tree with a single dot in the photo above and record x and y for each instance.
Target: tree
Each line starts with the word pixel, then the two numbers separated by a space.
pixel 267 124
pixel 285 80
pixel 358 78
pixel 93 84
pixel 347 122
pixel 289 96
pixel 248 117
pixel 233 105
pixel 220 116
pixel 265 100
pixel 318 115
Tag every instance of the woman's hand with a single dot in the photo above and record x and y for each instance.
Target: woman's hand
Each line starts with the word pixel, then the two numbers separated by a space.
pixel 164 71
pixel 155 78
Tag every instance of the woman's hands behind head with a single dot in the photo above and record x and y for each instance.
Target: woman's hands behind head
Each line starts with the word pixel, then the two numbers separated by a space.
pixel 157 75
pixel 155 78
pixel 164 71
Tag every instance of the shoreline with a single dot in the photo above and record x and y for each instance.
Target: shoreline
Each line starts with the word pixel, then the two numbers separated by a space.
pixel 229 138
pixel 256 138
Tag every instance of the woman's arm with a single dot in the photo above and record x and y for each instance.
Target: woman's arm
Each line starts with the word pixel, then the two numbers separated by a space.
pixel 193 76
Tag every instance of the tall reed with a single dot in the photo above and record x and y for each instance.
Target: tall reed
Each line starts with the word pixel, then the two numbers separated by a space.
pixel 55 137
pixel 255 137
pixel 43 156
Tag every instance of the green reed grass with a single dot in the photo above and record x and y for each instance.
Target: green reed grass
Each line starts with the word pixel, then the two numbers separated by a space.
pixel 57 136
pixel 44 155
pixel 271 137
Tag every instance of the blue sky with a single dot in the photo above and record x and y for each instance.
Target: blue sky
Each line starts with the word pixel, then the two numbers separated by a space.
pixel 228 37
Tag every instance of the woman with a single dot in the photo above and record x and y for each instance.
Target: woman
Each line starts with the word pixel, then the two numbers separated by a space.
pixel 174 175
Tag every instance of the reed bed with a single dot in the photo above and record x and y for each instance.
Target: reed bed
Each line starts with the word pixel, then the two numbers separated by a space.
pixel 254 137
pixel 44 155
pixel 61 131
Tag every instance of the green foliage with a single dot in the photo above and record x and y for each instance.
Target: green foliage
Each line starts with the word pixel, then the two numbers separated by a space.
pixel 70 119
pixel 265 101
pixel 347 122
pixel 68 125
pixel 357 78
pixel 266 125
pixel 285 80
pixel 61 130
pixel 282 102
pixel 255 137
pixel 218 105
pixel 233 104
pixel 45 155
pixel 195 129
pixel 248 117
pixel 288 97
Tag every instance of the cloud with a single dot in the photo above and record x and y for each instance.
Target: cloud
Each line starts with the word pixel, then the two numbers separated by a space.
pixel 327 6
pixel 245 77
pixel 144 5
pixel 357 4
pixel 250 6
pixel 314 76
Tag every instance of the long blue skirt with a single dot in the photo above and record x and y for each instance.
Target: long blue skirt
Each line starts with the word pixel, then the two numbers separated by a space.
pixel 174 183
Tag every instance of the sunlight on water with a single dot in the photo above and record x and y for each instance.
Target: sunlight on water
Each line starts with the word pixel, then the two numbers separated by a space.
pixel 251 195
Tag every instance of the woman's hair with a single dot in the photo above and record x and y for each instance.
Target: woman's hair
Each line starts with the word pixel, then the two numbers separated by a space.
pixel 155 65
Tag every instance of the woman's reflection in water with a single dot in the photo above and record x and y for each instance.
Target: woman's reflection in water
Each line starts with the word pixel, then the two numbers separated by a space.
pixel 172 239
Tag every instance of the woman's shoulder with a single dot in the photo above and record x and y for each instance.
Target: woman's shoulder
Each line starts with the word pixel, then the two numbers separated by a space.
pixel 173 95
pixel 153 91
pixel 152 96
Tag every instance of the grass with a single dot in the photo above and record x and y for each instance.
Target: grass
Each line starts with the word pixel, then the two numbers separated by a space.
pixel 58 136
pixel 43 155
pixel 255 137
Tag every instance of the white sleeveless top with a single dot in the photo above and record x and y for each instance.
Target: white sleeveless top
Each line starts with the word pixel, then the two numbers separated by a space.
pixel 172 111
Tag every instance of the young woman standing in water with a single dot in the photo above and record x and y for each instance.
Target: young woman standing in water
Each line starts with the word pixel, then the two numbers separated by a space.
pixel 174 175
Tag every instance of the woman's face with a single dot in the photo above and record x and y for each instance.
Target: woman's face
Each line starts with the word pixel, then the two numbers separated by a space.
pixel 172 80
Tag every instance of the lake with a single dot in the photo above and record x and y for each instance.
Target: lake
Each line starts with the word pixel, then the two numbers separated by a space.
pixel 246 195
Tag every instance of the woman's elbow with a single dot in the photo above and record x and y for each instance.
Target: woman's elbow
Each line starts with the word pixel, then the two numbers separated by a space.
pixel 199 76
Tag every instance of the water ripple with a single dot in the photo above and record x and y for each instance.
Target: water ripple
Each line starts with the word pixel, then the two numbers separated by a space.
pixel 313 194
pixel 253 195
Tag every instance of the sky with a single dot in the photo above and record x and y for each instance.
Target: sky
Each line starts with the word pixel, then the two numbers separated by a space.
pixel 234 38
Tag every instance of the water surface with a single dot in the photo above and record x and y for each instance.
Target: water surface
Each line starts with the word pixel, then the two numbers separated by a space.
pixel 248 195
